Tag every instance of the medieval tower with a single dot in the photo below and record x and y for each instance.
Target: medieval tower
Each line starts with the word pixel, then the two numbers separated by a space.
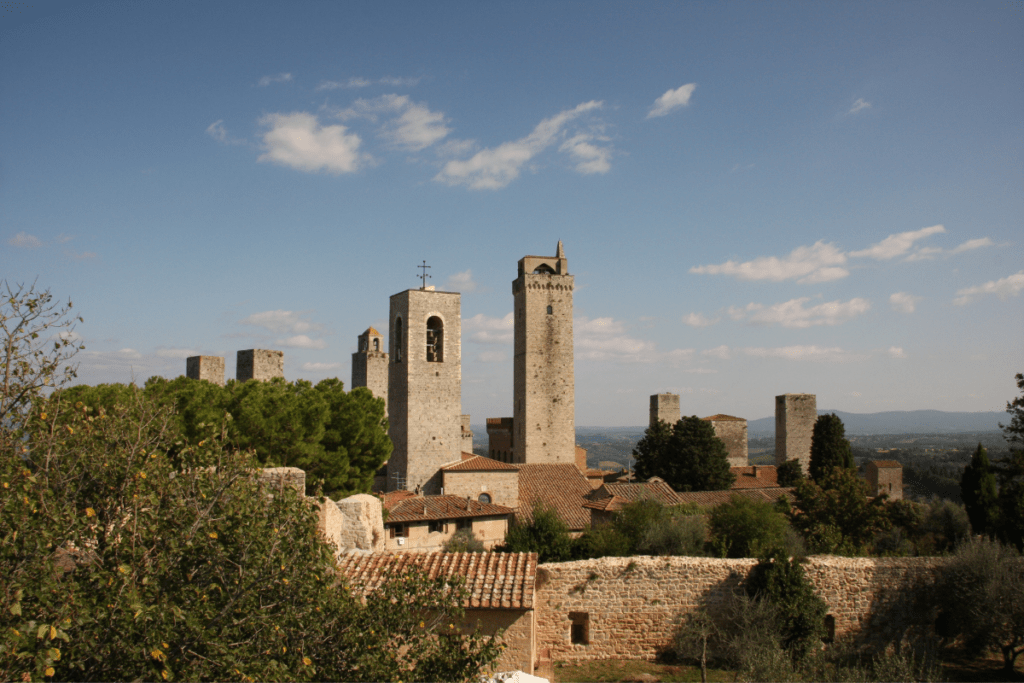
pixel 370 365
pixel 544 420
pixel 424 387
pixel 795 415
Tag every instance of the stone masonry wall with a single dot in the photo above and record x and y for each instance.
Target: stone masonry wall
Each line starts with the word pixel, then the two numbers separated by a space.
pixel 887 480
pixel 631 606
pixel 501 485
pixel 499 438
pixel 210 368
pixel 795 415
pixel 664 407
pixel 261 364
pixel 734 434
pixel 370 365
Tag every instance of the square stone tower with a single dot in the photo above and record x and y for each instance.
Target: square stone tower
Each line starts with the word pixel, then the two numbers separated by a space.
pixel 544 408
pixel 733 433
pixel 261 364
pixel 795 415
pixel 664 407
pixel 370 365
pixel 210 368
pixel 885 476
pixel 424 387
pixel 499 438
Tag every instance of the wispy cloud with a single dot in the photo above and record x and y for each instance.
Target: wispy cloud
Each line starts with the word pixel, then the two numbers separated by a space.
pixel 461 282
pixel 928 253
pixel 299 141
pixel 821 262
pixel 699 320
pixel 606 339
pixel 589 157
pixel 25 241
pixel 80 256
pixel 359 82
pixel 301 341
pixel 320 367
pixel 859 105
pixel 1004 288
pixel 485 329
pixel 896 352
pixel 277 78
pixel 492 357
pixel 176 353
pixel 903 302
pixel 412 127
pixel 281 322
pixel 720 352
pixel 794 313
pixel 671 100
pixel 218 132
pixel 897 244
pixel 495 168
pixel 816 354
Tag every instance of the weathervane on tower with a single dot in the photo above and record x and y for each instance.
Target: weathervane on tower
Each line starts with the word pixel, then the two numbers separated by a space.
pixel 424 275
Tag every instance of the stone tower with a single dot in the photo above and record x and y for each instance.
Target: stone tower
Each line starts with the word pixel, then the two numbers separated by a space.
pixel 664 407
pixel 261 364
pixel 424 387
pixel 370 365
pixel 210 368
pixel 795 415
pixel 544 419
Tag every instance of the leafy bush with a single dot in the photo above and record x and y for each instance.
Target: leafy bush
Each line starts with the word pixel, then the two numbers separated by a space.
pixel 545 534
pixel 782 582
pixel 836 516
pixel 463 541
pixel 744 527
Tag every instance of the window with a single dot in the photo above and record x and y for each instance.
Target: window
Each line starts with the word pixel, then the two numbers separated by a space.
pixel 579 632
pixel 398 340
pixel 464 524
pixel 830 629
pixel 484 498
pixel 399 531
pixel 550 310
pixel 362 344
pixel 438 526
pixel 376 344
pixel 435 340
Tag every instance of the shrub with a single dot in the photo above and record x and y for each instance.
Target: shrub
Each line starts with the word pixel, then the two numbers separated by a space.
pixel 545 534
pixel 782 582
pixel 744 527
pixel 463 541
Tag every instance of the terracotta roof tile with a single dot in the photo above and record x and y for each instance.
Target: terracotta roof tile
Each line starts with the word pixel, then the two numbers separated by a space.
pixel 657 490
pixel 494 580
pixel 766 477
pixel 478 463
pixel 372 331
pixel 561 486
pixel 424 508
pixel 391 497
pixel 724 418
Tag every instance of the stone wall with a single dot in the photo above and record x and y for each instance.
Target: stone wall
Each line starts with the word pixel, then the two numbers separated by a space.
pixel 499 438
pixel 629 607
pixel 261 364
pixel 884 477
pixel 419 538
pixel 210 368
pixel 466 433
pixel 664 407
pixel 518 636
pixel 370 365
pixel 501 485
pixel 363 523
pixel 733 433
pixel 795 415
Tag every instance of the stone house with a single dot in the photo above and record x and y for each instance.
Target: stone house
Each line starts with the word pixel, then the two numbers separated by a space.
pixel 484 479
pixel 425 523
pixel 885 476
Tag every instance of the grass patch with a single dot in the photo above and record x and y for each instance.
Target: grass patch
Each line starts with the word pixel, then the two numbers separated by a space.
pixel 635 670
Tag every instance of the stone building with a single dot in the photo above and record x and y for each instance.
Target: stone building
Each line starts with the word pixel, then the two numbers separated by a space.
pixel 424 387
pixel 426 523
pixel 664 408
pixel 733 433
pixel 795 415
pixel 370 365
pixel 483 479
pixel 499 438
pixel 885 476
pixel 210 368
pixel 543 410
pixel 261 364
pixel 466 433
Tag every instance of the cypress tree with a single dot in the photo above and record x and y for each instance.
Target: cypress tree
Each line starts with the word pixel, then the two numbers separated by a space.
pixel 829 447
pixel 978 489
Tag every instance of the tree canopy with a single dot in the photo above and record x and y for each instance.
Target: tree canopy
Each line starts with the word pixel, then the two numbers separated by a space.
pixel 687 455
pixel 978 490
pixel 829 447
pixel 837 516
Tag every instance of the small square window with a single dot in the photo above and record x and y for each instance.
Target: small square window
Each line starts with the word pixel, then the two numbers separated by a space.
pixel 579 631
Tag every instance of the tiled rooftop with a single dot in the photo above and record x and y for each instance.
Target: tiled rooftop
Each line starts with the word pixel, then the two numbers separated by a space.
pixel 478 463
pixel 494 580
pixel 561 486
pixel 426 508
pixel 658 490
pixel 755 477
pixel 724 418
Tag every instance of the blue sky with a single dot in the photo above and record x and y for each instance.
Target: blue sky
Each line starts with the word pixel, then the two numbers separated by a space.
pixel 755 198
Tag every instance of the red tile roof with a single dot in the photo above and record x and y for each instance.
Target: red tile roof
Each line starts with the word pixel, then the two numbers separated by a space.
pixel 561 486
pixel 391 497
pixel 425 508
pixel 724 418
pixel 478 463
pixel 657 490
pixel 755 477
pixel 494 580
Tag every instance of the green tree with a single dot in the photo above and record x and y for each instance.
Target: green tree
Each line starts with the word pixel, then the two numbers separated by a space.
pixel 744 527
pixel 829 447
pixel 789 473
pixel 1014 432
pixel 691 458
pixel 837 516
pixel 545 534
pixel 463 541
pixel 979 493
pixel 781 582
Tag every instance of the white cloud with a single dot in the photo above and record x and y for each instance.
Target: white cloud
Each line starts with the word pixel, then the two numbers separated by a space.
pixel 128 353
pixel 81 256
pixel 398 82
pixel 461 282
pixel 897 244
pixel 218 132
pixel 1004 288
pixel 820 262
pixel 414 127
pixel 25 240
pixel 318 367
pixel 897 352
pixel 903 302
pixel 605 339
pixel 299 141
pixel 455 148
pixel 301 341
pixel 176 353
pixel 720 352
pixel 278 78
pixel 492 169
pixel 672 99
pixel 698 320
pixel 792 313
pixel 928 253
pixel 484 329
pixel 358 82
pixel 589 157
pixel 492 357
pixel 859 105
pixel 817 354
pixel 281 322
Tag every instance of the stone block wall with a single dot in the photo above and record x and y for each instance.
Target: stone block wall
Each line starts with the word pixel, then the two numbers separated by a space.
pixel 885 477
pixel 261 364
pixel 370 365
pixel 499 438
pixel 419 538
pixel 363 523
pixel 467 434
pixel 733 432
pixel 210 368
pixel 284 477
pixel 501 485
pixel 664 407
pixel 518 636
pixel 795 415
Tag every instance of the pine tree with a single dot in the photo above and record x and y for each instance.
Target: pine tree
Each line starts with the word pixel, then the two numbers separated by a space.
pixel 829 447
pixel 689 458
pixel 978 490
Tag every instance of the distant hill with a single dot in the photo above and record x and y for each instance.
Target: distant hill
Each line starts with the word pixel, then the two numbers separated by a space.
pixel 901 422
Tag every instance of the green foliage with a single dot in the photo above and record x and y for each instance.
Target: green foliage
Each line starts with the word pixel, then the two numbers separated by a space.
pixel 744 527
pixel 790 473
pixel 837 517
pixel 978 490
pixel 982 591
pixel 121 563
pixel 933 528
pixel 545 534
pixel 689 457
pixel 829 447
pixel 676 534
pixel 1014 432
pixel 782 583
pixel 645 527
pixel 463 541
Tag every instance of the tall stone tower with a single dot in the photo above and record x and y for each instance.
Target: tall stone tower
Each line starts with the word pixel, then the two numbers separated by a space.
pixel 795 415
pixel 370 365
pixel 261 364
pixel 424 387
pixel 544 411
pixel 210 368
pixel 664 407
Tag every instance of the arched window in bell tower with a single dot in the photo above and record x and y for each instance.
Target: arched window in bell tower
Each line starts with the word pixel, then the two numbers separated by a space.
pixel 376 344
pixel 435 340
pixel 398 340
pixel 550 310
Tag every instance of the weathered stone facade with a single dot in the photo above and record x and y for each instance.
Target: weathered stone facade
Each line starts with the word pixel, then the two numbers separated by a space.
pixel 261 364
pixel 884 476
pixel 467 434
pixel 499 438
pixel 370 365
pixel 210 368
pixel 733 433
pixel 501 485
pixel 424 387
pixel 543 375
pixel 427 537
pixel 795 415
pixel 664 407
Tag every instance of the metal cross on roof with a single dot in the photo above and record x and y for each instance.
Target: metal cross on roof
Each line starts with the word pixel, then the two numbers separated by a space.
pixel 424 275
